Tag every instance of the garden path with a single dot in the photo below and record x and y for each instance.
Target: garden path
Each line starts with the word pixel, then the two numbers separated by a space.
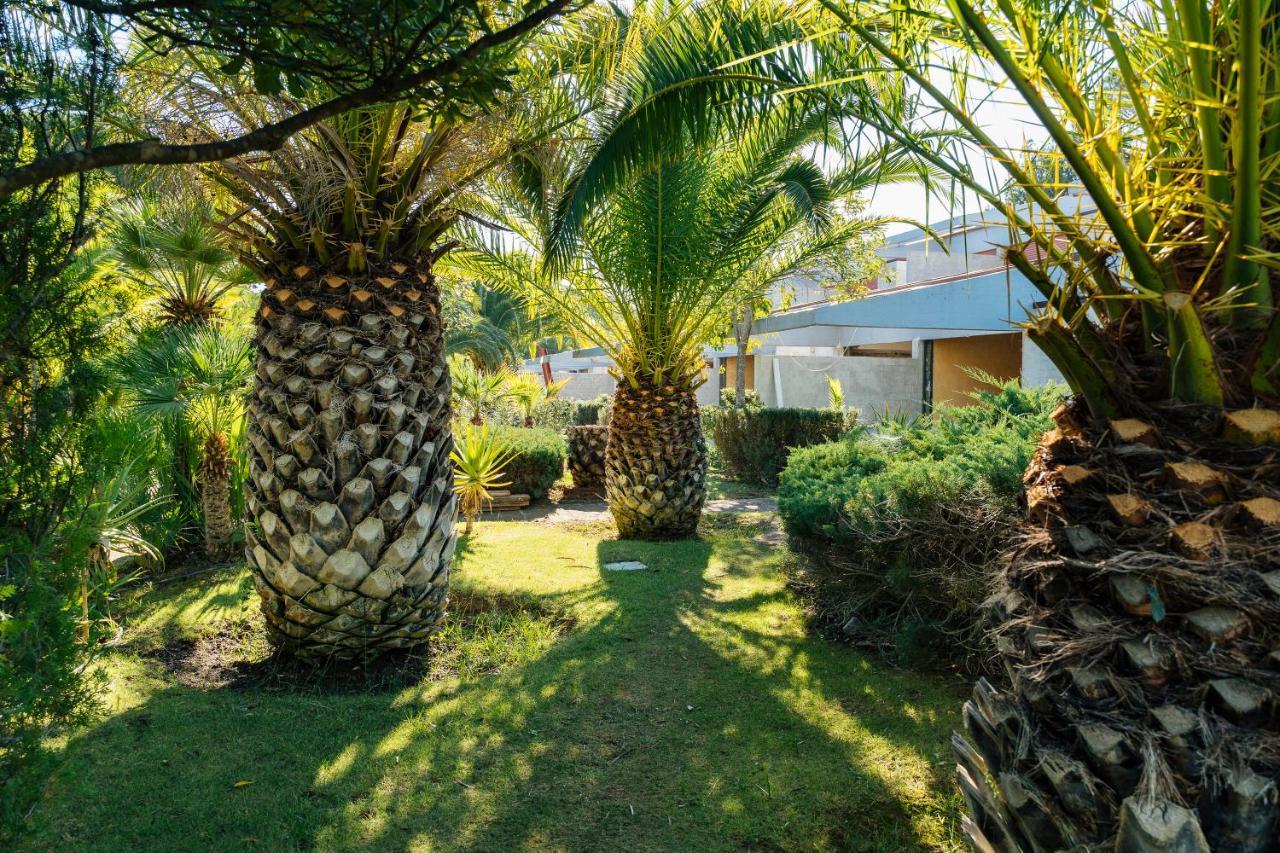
pixel 573 512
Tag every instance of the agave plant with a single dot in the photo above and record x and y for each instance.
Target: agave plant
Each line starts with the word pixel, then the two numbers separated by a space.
pixel 175 253
pixel 835 394
pixel 198 376
pixel 1139 616
pixel 478 460
pixel 661 261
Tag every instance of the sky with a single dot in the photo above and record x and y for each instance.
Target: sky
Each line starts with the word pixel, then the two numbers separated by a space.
pixel 1007 119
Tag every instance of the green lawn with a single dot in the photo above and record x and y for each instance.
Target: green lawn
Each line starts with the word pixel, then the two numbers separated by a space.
pixel 567 708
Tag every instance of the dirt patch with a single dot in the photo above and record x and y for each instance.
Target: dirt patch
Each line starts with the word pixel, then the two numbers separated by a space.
pixel 577 493
pixel 236 655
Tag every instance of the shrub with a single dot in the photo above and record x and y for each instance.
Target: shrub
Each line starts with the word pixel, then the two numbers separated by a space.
pixel 901 529
pixel 537 462
pixel 753 444
pixel 751 398
pixel 554 414
pixel 588 412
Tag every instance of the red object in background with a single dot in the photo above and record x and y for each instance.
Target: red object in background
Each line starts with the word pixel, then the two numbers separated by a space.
pixel 546 366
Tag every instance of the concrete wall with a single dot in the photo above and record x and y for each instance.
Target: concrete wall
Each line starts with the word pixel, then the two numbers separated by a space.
pixel 872 385
pixel 584 386
pixel 1037 369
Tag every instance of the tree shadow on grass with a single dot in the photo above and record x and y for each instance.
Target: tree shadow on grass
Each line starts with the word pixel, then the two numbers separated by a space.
pixel 683 712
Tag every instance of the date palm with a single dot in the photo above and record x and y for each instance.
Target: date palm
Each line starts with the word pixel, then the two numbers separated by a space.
pixel 660 266
pixel 1139 613
pixel 350 487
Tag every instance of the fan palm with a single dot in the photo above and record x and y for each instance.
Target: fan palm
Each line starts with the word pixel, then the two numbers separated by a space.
pixel 199 376
pixel 1138 615
pixel 663 263
pixel 475 389
pixel 176 253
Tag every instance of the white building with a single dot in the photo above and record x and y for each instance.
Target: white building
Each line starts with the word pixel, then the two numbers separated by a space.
pixel 902 349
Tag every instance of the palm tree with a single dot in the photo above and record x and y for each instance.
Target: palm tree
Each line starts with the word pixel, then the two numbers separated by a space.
pixel 475 389
pixel 498 327
pixel 528 392
pixel 175 253
pixel 663 263
pixel 200 377
pixel 350 486
pixel 1138 616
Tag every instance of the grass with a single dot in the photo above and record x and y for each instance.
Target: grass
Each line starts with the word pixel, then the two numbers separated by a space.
pixel 720 485
pixel 566 708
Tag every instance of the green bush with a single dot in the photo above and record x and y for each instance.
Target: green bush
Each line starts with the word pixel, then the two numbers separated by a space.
pixel 538 462
pixel 753 444
pixel 751 398
pixel 902 527
pixel 587 412
pixel 554 414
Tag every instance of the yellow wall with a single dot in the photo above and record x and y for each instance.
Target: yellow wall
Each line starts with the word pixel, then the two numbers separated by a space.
pixel 999 355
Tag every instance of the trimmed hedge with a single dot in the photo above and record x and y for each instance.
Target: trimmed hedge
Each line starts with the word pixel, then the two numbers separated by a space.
pixel 538 462
pixel 753 443
pixel 903 528
pixel 589 412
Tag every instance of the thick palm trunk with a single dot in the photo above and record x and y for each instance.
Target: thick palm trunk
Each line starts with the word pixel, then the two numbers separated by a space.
pixel 1140 626
pixel 351 490
pixel 655 462
pixel 587 446
pixel 215 497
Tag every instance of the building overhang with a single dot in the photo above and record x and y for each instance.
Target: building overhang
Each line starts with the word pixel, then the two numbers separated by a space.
pixel 983 304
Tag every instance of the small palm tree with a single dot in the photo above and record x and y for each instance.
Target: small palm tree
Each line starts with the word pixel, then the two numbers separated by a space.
pixel 475 389
pixel 109 523
pixel 528 391
pixel 663 262
pixel 478 462
pixel 175 253
pixel 200 376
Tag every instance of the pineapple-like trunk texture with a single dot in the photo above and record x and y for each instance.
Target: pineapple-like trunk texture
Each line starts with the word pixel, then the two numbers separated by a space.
pixel 1138 620
pixel 350 489
pixel 587 445
pixel 215 495
pixel 655 461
